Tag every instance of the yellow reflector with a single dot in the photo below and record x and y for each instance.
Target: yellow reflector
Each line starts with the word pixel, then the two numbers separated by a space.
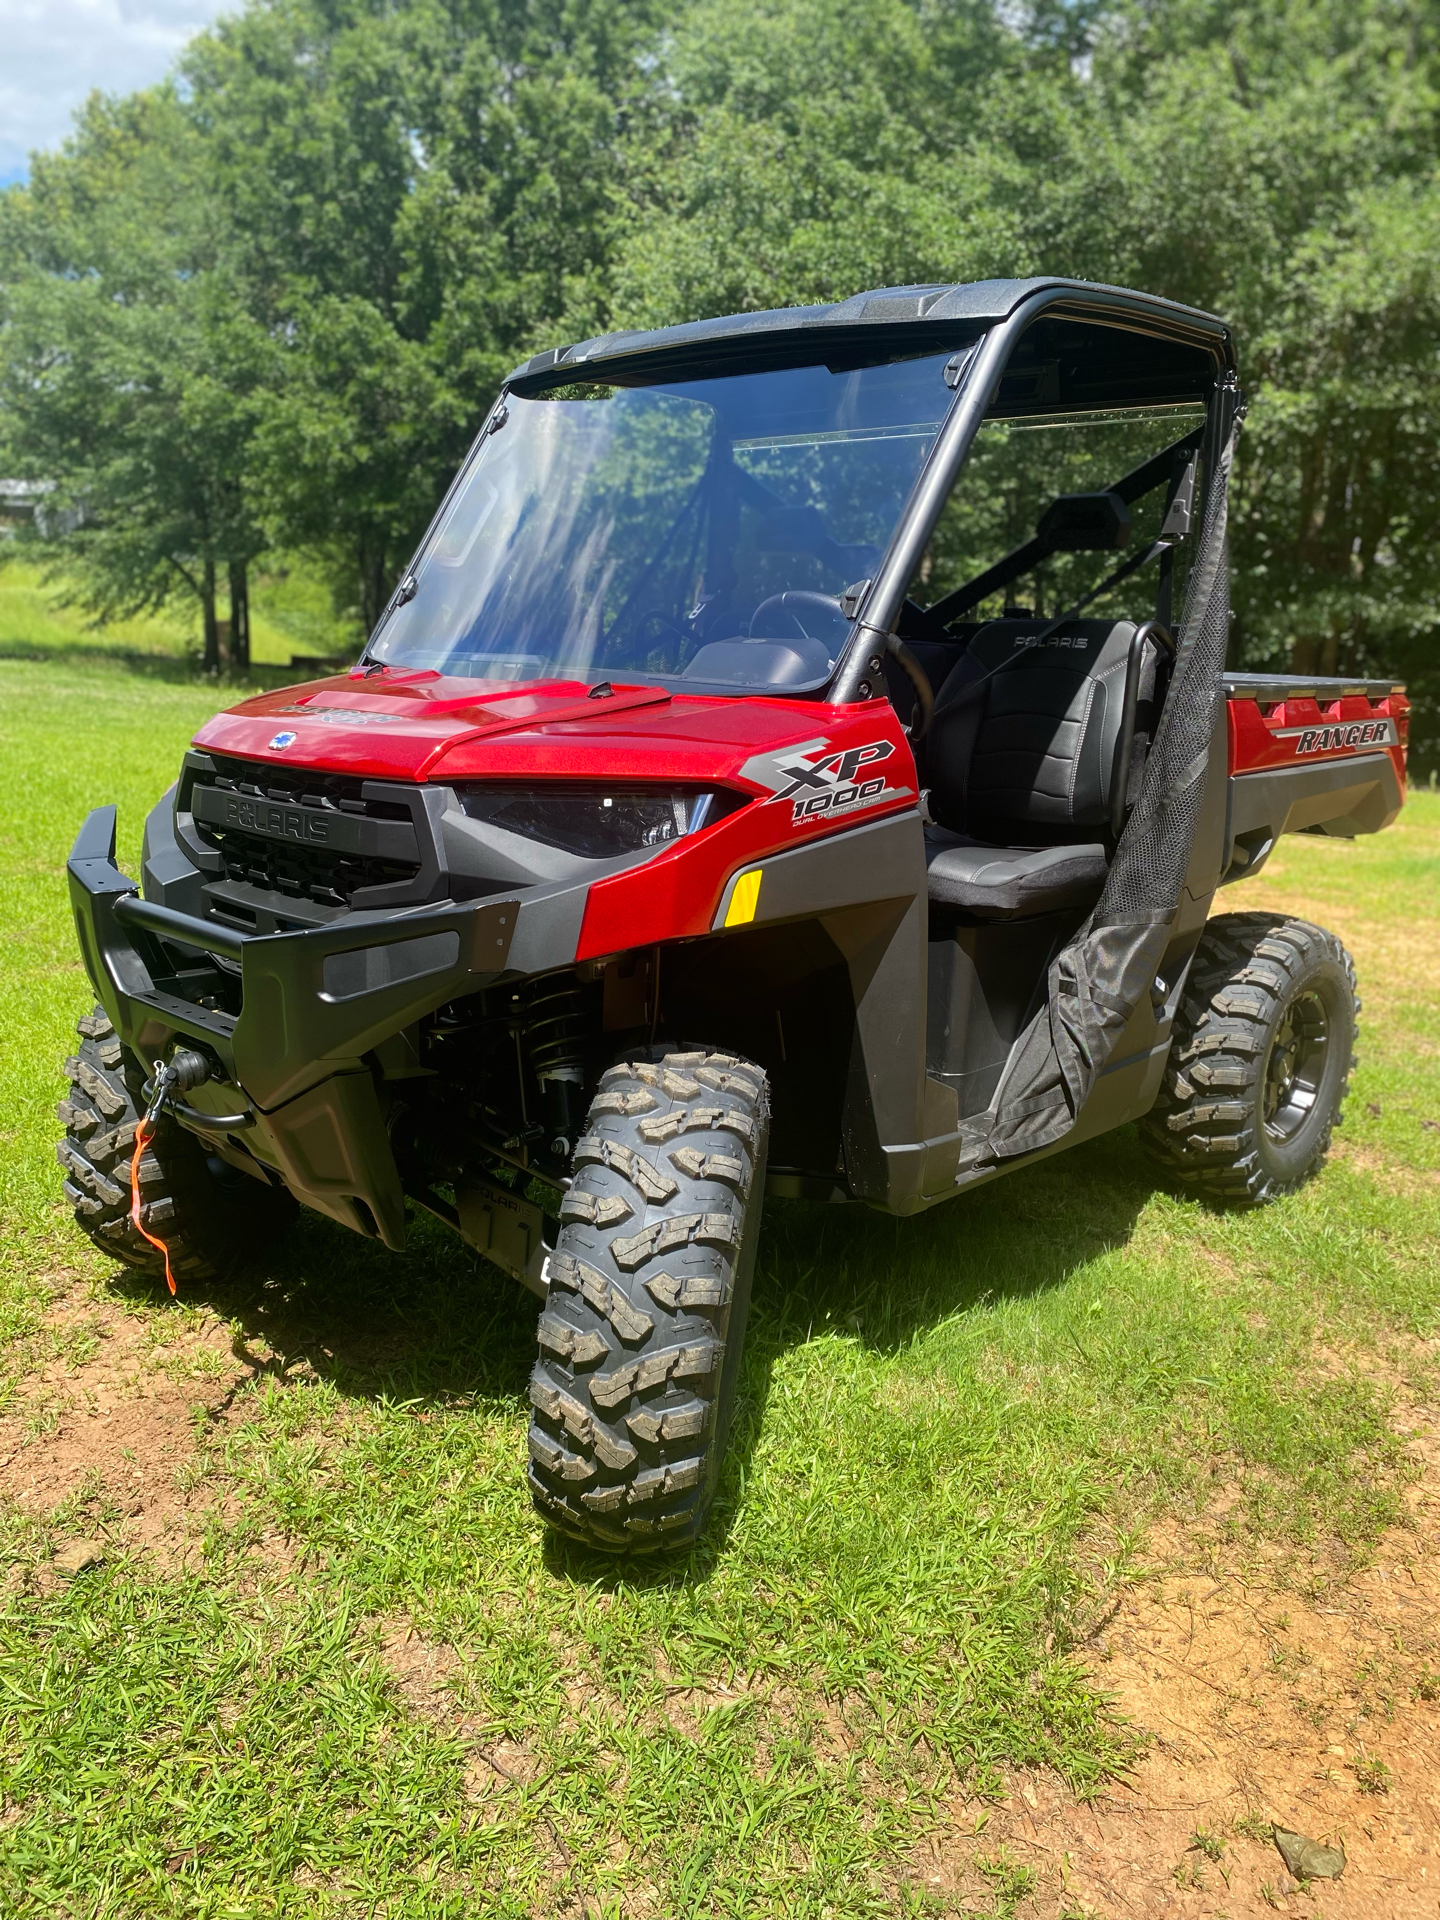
pixel 744 898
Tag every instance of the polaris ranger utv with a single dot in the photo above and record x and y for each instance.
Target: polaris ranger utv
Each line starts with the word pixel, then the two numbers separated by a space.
pixel 707 816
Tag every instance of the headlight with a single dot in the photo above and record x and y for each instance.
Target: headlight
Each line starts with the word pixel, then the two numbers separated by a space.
pixel 596 821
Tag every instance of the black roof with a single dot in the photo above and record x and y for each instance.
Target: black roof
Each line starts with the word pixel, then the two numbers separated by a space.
pixel 930 311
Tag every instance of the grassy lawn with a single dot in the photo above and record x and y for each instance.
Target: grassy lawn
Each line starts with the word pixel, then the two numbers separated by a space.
pixel 290 613
pixel 346 1672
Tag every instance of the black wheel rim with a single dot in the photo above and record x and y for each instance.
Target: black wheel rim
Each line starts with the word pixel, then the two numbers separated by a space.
pixel 1295 1066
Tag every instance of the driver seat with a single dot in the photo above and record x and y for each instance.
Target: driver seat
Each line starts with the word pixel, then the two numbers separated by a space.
pixel 1021 763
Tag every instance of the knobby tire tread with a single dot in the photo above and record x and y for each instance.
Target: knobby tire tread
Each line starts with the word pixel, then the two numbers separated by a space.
pixel 1205 1128
pixel 648 1291
pixel 207 1229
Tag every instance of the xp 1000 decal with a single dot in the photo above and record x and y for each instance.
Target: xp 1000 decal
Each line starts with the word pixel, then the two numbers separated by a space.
pixel 823 782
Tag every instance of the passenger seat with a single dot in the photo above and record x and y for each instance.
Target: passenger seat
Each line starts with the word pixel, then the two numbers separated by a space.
pixel 1021 771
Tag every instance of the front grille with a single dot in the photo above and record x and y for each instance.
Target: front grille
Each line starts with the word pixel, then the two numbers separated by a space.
pixel 301 873
pixel 292 841
pixel 306 786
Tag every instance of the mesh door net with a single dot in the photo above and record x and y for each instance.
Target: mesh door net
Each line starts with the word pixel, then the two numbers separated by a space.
pixel 1096 983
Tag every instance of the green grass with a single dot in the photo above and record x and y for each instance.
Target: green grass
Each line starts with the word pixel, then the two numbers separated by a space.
pixel 953 1433
pixel 290 614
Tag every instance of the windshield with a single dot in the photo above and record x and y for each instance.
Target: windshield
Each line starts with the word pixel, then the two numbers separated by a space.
pixel 701 530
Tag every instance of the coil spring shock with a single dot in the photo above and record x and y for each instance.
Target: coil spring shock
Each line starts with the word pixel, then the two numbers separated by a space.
pixel 555 1032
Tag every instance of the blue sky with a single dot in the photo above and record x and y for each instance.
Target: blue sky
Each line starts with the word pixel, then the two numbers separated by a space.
pixel 53 52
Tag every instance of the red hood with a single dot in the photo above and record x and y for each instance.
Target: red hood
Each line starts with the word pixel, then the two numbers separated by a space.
pixel 422 725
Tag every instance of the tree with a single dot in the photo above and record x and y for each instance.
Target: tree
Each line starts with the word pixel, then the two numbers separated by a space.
pixel 801 153
pixel 275 304
pixel 1278 163
pixel 272 305
pixel 1275 160
pixel 129 370
pixel 413 196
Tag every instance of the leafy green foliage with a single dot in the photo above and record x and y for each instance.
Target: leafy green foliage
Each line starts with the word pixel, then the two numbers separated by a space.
pixel 130 367
pixel 1272 161
pixel 410 195
pixel 272 306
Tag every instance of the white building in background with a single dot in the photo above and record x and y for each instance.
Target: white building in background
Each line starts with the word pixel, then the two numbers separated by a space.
pixel 22 505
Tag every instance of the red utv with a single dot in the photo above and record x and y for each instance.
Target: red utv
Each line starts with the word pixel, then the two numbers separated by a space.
pixel 800 757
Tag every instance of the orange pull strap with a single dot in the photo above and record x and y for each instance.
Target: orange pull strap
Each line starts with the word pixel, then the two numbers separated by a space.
pixel 143 1134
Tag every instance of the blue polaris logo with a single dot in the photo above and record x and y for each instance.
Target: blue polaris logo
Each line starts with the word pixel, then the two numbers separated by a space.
pixel 283 740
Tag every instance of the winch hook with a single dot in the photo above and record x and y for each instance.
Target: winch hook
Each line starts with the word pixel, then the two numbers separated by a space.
pixel 184 1070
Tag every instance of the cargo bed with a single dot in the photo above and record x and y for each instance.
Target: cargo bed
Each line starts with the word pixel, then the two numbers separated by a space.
pixel 1310 755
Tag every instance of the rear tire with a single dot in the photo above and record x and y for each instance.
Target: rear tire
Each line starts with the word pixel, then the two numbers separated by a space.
pixel 649 1292
pixel 212 1217
pixel 1260 1062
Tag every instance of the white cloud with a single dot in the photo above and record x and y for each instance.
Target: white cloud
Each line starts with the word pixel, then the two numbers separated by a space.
pixel 54 52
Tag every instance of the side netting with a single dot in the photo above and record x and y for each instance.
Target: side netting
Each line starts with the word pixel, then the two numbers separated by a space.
pixel 1098 980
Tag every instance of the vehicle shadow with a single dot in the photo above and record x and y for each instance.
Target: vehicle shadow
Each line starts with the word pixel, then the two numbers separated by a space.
pixel 437 1327
pixel 881 1281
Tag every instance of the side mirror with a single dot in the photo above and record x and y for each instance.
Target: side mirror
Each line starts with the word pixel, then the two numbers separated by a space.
pixel 1084 523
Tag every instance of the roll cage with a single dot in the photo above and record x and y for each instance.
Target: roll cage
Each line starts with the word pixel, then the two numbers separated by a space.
pixel 1019 348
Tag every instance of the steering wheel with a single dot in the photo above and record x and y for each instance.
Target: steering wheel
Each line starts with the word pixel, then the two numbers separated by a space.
pixel 791 603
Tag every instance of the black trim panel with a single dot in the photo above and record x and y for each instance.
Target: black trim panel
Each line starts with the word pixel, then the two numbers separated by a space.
pixel 1342 797
pixel 311 1004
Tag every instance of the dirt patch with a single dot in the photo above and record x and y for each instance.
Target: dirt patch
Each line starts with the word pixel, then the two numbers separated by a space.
pixel 1297 1697
pixel 684 1704
pixel 111 1436
pixel 428 1674
pixel 424 1670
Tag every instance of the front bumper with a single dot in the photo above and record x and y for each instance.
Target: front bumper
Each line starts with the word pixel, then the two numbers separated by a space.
pixel 312 1005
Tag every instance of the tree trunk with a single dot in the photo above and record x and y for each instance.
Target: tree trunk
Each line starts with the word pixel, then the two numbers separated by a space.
pixel 372 583
pixel 239 617
pixel 211 661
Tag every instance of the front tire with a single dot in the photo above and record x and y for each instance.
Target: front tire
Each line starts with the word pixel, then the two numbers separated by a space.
pixel 649 1292
pixel 1260 1061
pixel 210 1216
